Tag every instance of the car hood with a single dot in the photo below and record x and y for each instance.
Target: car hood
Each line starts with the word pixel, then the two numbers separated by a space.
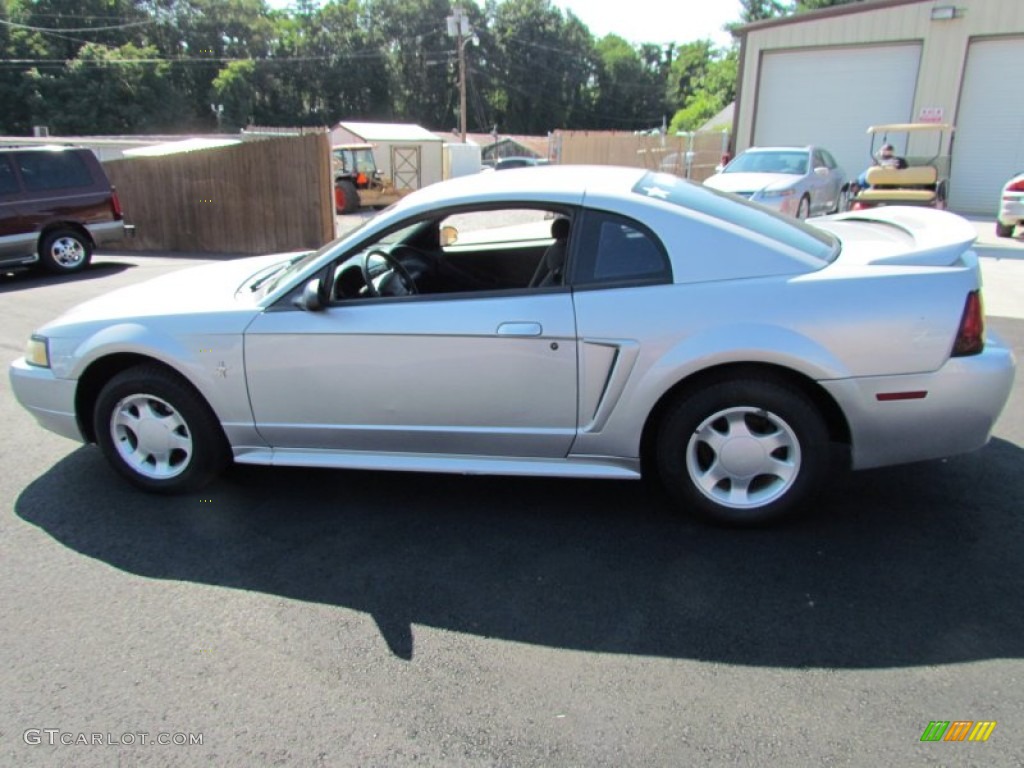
pixel 203 289
pixel 750 182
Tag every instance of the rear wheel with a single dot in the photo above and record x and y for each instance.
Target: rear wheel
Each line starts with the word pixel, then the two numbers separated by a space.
pixel 803 210
pixel 743 452
pixel 346 197
pixel 64 251
pixel 1004 230
pixel 158 432
pixel 842 201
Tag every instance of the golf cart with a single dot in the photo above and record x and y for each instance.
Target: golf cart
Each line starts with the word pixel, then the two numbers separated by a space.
pixel 921 180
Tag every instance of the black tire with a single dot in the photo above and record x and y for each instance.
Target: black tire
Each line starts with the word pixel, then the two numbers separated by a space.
pixel 158 432
pixel 842 201
pixel 1004 230
pixel 349 196
pixel 65 251
pixel 803 207
pixel 778 448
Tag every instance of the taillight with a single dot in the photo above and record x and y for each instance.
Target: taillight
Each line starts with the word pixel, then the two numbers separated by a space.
pixel 970 338
pixel 1017 186
pixel 115 205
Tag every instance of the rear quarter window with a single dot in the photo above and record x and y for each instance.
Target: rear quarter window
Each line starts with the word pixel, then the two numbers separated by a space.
pixel 41 171
pixel 615 250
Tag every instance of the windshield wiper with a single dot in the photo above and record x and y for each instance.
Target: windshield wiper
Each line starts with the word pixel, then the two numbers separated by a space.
pixel 274 272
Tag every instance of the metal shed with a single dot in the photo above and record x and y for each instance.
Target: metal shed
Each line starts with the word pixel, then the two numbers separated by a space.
pixel 407 154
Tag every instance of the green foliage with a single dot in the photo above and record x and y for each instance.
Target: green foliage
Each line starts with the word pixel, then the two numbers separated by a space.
pixel 127 66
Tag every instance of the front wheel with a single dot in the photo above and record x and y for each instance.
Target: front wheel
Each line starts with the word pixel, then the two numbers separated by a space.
pixel 346 198
pixel 803 209
pixel 743 452
pixel 158 432
pixel 1004 230
pixel 64 251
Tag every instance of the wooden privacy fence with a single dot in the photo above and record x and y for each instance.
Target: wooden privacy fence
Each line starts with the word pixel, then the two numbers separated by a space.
pixel 254 197
pixel 693 155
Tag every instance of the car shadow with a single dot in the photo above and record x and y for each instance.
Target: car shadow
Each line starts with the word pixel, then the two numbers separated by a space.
pixel 914 565
pixel 24 279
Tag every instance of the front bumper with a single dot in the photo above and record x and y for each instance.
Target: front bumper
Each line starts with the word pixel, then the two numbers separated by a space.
pixel 49 399
pixel 963 400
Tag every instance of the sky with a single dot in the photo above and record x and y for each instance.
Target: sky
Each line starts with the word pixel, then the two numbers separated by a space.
pixel 657 21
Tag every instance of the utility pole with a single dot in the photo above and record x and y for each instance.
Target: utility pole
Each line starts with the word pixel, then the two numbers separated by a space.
pixel 458 27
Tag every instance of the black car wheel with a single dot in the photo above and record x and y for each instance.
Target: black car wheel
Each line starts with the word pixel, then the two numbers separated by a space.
pixel 158 432
pixel 743 452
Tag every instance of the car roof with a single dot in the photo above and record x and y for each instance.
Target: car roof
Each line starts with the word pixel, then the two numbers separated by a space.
pixel 559 183
pixel 806 148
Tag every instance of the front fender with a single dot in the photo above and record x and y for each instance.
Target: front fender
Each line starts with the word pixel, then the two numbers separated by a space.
pixel 211 362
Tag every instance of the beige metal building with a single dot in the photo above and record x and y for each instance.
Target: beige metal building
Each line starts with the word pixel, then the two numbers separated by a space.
pixel 823 77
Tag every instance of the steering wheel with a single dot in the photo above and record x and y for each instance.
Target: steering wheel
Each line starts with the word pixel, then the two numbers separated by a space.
pixel 404 278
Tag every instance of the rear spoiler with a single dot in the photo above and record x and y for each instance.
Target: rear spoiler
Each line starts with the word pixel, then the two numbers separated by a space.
pixel 940 238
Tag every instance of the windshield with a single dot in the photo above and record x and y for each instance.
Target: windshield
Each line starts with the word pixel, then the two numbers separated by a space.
pixel 740 213
pixel 354 160
pixel 782 161
pixel 268 281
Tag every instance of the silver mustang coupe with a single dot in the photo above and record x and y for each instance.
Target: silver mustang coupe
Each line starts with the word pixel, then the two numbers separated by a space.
pixel 563 321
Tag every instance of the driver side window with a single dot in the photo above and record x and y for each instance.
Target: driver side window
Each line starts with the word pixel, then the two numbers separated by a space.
pixel 460 253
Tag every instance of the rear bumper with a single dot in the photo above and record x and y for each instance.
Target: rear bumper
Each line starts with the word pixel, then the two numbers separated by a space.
pixel 1011 210
pixel 49 399
pixel 962 402
pixel 110 231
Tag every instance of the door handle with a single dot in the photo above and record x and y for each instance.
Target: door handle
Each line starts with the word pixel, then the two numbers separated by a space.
pixel 520 329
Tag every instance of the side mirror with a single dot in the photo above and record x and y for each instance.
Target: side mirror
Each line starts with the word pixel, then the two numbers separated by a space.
pixel 821 170
pixel 449 235
pixel 311 298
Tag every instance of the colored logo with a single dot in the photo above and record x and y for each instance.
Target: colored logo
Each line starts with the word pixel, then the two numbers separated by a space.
pixel 958 730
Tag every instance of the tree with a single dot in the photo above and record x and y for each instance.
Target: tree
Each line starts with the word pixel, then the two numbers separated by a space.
pixel 546 62
pixel 105 90
pixel 759 10
pixel 709 88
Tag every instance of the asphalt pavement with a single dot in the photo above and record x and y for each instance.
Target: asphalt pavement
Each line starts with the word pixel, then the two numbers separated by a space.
pixel 318 618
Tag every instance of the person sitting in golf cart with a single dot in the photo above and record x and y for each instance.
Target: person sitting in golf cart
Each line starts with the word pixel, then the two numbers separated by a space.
pixel 886 158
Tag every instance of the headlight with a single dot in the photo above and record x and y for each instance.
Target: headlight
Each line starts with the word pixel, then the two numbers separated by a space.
pixel 37 352
pixel 788 192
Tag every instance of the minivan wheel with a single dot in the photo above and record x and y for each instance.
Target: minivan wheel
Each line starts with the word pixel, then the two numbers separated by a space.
pixel 158 432
pixel 65 250
pixel 743 452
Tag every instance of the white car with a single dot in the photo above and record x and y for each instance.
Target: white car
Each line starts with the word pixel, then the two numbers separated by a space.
pixel 1011 206
pixel 565 321
pixel 798 181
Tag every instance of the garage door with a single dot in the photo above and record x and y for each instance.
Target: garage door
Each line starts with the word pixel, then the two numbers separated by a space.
pixel 989 144
pixel 831 96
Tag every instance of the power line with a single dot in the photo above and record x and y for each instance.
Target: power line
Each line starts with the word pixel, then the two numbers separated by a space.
pixel 78 30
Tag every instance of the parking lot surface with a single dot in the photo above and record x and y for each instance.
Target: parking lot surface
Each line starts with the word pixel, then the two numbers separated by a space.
pixel 317 618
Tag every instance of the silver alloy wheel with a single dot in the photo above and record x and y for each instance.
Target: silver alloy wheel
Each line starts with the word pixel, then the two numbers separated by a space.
pixel 151 437
pixel 743 457
pixel 67 252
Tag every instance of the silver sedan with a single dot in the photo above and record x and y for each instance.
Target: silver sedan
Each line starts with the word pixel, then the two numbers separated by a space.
pixel 799 181
pixel 560 321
